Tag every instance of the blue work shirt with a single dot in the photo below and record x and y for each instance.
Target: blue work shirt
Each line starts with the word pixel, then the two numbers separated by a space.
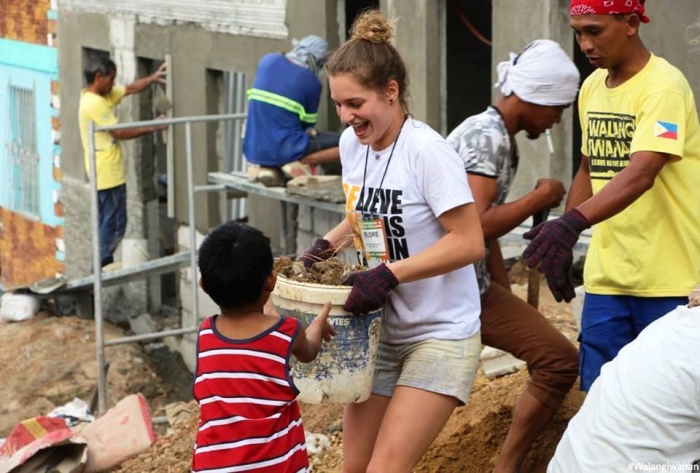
pixel 281 105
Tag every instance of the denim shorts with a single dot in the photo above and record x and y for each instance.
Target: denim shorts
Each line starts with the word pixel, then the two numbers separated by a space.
pixel 445 367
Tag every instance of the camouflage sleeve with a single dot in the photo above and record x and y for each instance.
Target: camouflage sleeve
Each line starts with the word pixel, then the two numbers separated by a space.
pixel 481 147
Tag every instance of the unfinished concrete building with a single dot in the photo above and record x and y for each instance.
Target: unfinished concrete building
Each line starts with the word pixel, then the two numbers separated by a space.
pixel 451 48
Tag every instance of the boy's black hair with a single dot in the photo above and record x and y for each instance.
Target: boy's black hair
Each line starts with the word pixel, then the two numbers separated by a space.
pixel 234 261
pixel 101 64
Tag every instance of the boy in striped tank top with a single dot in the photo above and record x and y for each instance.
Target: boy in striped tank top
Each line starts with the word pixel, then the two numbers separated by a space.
pixel 249 416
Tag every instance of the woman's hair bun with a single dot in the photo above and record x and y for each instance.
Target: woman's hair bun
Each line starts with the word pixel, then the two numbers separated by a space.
pixel 372 26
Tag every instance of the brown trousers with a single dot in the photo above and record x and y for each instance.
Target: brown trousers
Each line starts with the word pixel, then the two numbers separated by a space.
pixel 511 324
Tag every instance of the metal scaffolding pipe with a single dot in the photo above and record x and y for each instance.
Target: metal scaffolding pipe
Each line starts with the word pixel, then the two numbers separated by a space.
pixel 210 188
pixel 96 259
pixel 150 336
pixel 194 283
pixel 172 121
pixel 97 271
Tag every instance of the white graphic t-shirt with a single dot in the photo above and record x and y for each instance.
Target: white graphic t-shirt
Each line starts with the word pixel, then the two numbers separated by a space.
pixel 424 179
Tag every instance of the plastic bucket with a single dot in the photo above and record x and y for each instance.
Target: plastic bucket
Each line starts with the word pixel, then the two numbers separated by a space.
pixel 344 369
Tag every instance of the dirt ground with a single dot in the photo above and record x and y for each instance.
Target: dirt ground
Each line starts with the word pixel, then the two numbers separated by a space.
pixel 47 361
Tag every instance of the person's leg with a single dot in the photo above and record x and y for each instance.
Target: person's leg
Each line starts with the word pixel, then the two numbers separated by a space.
pixel 112 221
pixel 436 377
pixel 606 327
pixel 322 148
pixel 510 324
pixel 412 421
pixel 361 421
pixel 646 310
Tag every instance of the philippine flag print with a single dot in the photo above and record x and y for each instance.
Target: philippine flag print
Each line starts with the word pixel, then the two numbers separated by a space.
pixel 666 130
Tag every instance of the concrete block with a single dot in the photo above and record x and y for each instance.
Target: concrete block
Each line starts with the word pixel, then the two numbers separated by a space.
pixel 142 324
pixel 205 305
pixel 325 188
pixel 304 240
pixel 324 221
pixel 305 218
pixel 183 238
pixel 188 351
pixel 497 363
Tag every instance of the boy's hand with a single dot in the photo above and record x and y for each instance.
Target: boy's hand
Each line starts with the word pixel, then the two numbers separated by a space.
pixel 320 329
pixel 308 343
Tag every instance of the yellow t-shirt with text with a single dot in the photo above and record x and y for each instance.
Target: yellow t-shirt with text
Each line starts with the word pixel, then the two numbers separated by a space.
pixel 652 248
pixel 100 109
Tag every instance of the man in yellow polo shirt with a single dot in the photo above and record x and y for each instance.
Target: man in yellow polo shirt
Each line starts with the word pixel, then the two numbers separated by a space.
pixel 637 184
pixel 97 103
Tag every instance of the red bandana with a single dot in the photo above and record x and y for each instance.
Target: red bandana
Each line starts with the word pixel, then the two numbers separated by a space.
pixel 609 7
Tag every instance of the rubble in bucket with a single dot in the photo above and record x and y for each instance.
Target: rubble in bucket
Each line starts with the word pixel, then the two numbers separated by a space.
pixel 344 369
pixel 330 272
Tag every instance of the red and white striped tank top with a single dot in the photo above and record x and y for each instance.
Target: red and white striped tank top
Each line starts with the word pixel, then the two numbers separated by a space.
pixel 250 419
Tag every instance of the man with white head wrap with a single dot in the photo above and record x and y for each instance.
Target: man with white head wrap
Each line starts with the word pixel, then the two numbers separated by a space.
pixel 282 108
pixel 537 85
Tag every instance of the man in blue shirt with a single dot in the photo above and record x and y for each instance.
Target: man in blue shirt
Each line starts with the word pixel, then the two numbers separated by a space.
pixel 282 109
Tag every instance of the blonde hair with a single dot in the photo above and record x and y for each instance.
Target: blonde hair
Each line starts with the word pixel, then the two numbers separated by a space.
pixel 370 57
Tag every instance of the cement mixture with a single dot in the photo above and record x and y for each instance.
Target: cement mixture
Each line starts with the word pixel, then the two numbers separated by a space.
pixel 331 272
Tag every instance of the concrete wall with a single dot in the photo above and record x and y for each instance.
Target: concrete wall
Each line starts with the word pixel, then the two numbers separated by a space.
pixel 31 246
pixel 419 34
pixel 674 34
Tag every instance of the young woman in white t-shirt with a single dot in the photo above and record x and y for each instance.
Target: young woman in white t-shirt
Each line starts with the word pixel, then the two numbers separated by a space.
pixel 404 177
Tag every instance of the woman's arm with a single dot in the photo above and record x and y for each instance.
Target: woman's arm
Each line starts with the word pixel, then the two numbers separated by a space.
pixel 462 245
pixel 341 236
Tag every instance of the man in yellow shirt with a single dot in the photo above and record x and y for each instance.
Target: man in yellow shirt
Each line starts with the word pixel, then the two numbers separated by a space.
pixel 97 103
pixel 637 184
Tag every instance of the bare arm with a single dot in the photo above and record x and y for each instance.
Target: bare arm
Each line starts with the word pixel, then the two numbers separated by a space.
pixel 131 133
pixel 580 190
pixel 496 266
pixel 626 187
pixel 341 236
pixel 462 245
pixel 498 220
pixel 308 342
pixel 140 85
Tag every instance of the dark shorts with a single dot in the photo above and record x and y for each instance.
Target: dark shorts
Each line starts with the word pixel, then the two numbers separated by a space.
pixel 608 323
pixel 322 140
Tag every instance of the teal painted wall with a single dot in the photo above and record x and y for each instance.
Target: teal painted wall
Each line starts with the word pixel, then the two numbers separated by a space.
pixel 34 67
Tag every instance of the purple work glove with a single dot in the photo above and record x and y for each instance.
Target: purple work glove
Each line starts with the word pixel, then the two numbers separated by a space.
pixel 551 249
pixel 321 250
pixel 370 289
